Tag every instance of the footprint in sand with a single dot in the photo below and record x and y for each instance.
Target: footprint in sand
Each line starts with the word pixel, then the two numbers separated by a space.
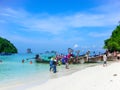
pixel 114 74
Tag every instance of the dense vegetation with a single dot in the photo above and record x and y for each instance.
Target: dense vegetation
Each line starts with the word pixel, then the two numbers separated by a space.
pixel 113 43
pixel 6 46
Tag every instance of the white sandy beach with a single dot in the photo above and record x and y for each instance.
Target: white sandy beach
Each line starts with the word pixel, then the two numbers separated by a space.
pixel 92 78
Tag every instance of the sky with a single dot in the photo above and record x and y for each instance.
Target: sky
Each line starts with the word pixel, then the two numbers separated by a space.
pixel 58 24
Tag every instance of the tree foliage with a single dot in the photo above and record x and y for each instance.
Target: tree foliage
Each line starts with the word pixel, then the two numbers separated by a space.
pixel 6 46
pixel 113 43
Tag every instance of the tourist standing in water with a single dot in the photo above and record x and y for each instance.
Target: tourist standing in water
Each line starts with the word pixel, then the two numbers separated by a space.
pixel 51 64
pixel 54 65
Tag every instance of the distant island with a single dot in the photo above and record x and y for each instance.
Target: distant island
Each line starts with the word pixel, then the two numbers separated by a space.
pixel 29 50
pixel 6 47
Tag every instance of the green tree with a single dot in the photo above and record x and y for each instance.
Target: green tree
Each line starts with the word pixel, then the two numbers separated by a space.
pixel 113 43
pixel 6 46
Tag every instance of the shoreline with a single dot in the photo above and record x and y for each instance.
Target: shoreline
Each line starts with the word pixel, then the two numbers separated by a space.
pixel 28 83
pixel 85 79
pixel 62 72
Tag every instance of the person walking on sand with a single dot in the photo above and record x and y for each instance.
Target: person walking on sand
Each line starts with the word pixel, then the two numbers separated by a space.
pixel 66 62
pixel 104 60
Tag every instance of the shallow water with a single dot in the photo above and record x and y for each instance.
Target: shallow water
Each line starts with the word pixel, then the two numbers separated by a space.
pixel 14 73
pixel 12 68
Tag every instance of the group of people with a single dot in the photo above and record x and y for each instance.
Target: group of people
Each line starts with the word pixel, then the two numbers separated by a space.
pixel 23 61
pixel 58 60
pixel 68 59
pixel 37 58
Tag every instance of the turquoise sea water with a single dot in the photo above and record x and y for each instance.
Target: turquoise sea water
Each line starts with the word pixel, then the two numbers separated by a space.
pixel 13 71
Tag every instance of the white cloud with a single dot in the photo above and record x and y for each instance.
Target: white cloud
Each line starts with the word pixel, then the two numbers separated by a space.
pixel 57 24
pixel 75 46
pixel 98 34
pixel 109 6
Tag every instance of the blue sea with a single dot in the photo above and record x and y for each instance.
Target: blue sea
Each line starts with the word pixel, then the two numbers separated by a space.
pixel 13 71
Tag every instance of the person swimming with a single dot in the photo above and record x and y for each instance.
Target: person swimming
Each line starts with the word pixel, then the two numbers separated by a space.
pixel 0 61
pixel 37 57
pixel 30 62
pixel 23 61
